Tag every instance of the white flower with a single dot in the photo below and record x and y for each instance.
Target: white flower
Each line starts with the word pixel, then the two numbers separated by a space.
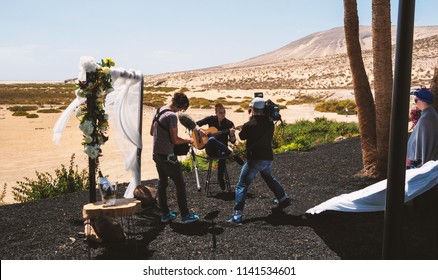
pixel 88 139
pixel 106 70
pixel 86 127
pixel 78 112
pixel 92 151
pixel 80 93
pixel 87 63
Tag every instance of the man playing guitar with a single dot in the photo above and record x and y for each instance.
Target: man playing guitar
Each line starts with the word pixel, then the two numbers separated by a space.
pixel 217 145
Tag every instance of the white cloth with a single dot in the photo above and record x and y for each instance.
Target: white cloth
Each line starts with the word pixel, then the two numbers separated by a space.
pixel 123 106
pixel 373 198
pixel 61 123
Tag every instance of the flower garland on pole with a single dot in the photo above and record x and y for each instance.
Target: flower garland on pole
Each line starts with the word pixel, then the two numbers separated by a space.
pixel 92 117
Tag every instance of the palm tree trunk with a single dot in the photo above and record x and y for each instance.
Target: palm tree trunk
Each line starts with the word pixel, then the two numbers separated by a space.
pixel 382 62
pixel 362 90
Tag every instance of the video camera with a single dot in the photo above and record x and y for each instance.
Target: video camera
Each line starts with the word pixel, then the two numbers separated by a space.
pixel 271 110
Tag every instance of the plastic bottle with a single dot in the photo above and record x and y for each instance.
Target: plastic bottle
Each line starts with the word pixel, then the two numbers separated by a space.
pixel 107 191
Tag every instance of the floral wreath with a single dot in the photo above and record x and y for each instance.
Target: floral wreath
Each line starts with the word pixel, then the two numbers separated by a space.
pixel 94 84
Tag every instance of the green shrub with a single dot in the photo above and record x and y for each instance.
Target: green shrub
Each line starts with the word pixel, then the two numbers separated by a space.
pixel 337 106
pixel 3 194
pixel 200 102
pixel 229 103
pixel 303 99
pixel 304 135
pixel 20 113
pixel 22 108
pixel 45 186
pixel 37 93
pixel 201 161
pixel 49 111
pixel 32 116
pixel 160 89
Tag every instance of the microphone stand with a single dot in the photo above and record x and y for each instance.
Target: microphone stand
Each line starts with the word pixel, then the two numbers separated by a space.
pixel 195 167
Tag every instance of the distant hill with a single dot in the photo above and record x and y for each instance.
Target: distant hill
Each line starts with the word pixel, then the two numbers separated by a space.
pixel 325 43
pixel 317 61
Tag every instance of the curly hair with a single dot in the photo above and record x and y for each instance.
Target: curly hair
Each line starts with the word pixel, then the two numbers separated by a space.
pixel 180 100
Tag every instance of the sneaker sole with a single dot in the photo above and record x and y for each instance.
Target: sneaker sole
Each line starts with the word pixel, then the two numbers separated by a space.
pixel 234 223
pixel 189 221
pixel 168 220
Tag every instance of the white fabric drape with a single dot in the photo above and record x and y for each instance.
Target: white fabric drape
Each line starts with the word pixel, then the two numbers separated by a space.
pixel 373 198
pixel 123 106
pixel 61 123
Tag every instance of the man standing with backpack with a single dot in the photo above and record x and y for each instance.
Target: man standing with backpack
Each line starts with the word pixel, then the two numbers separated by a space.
pixel 164 129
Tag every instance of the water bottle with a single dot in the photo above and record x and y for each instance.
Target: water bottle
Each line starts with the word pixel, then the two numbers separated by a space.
pixel 107 191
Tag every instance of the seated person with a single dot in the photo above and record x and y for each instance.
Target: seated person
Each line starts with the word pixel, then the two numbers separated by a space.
pixel 423 142
pixel 218 146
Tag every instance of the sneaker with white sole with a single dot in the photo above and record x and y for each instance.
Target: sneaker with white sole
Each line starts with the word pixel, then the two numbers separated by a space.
pixel 189 218
pixel 236 218
pixel 168 217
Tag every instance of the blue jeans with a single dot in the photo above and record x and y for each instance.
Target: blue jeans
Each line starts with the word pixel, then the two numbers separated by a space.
pixel 249 171
pixel 170 169
pixel 215 148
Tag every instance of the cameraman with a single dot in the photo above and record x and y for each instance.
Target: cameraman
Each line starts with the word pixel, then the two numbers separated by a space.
pixel 258 133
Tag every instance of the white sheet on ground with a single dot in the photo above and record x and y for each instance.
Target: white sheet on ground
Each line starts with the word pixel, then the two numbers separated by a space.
pixel 373 198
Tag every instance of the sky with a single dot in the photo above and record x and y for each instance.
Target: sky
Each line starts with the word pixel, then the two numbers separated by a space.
pixel 44 40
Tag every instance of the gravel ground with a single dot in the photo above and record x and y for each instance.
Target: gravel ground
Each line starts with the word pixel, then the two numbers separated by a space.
pixel 53 228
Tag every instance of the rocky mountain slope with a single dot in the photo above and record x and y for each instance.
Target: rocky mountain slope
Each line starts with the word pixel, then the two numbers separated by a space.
pixel 318 61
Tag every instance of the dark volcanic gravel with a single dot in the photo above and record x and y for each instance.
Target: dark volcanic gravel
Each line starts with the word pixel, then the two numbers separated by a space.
pixel 52 228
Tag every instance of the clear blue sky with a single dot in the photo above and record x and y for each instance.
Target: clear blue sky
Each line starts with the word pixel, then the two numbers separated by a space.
pixel 43 40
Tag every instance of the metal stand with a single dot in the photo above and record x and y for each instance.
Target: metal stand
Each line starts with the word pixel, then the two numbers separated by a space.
pixel 195 167
pixel 208 181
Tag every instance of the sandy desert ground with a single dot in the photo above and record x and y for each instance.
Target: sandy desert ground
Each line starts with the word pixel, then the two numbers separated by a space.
pixel 27 146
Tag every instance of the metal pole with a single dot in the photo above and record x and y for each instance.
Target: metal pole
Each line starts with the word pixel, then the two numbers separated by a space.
pixel 91 104
pixel 140 128
pixel 393 247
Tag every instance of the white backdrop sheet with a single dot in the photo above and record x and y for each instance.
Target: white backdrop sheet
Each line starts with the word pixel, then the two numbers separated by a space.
pixel 123 107
pixel 373 198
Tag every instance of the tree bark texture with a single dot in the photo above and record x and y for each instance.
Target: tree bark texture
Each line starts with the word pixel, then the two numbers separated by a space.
pixel 362 91
pixel 383 79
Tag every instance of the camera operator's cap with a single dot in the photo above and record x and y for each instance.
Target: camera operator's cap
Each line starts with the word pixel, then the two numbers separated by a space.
pixel 258 103
pixel 424 95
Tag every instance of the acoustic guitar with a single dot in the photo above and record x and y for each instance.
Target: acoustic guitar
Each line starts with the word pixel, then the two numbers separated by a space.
pixel 199 140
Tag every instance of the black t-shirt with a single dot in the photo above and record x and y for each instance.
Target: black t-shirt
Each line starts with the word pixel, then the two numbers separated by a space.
pixel 258 133
pixel 212 121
